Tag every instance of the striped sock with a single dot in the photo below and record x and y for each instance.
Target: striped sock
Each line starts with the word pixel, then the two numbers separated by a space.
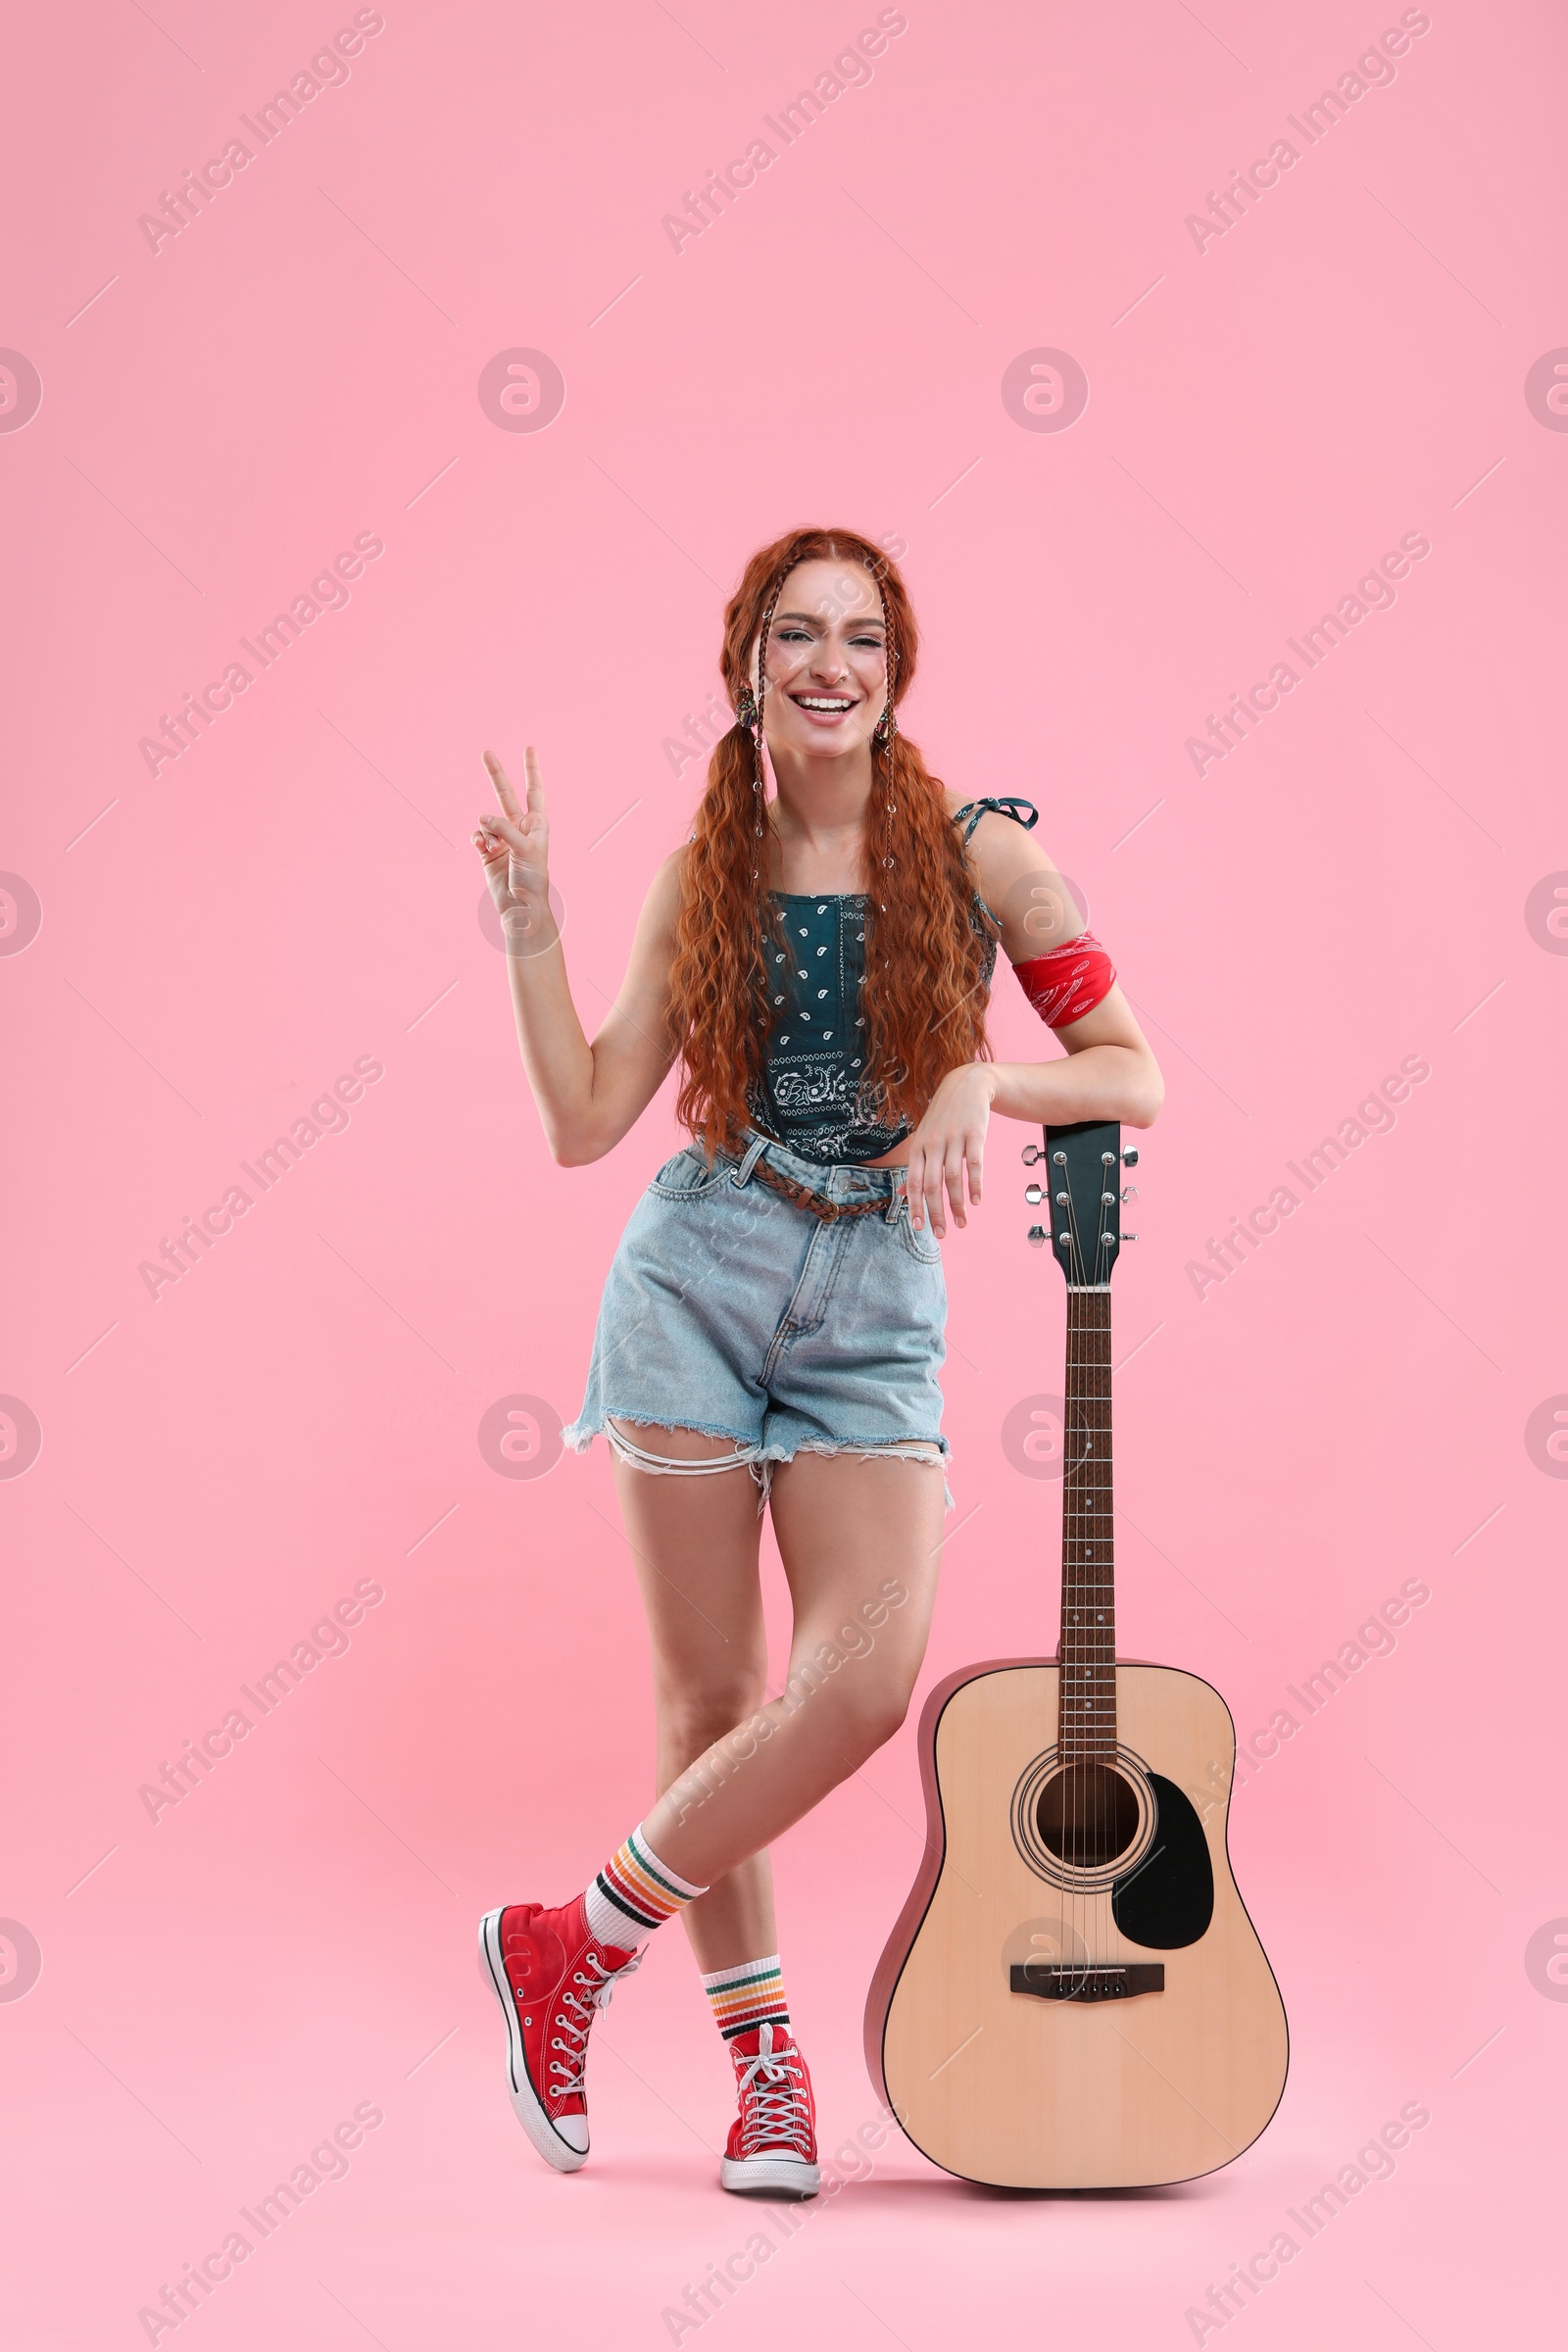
pixel 635 1893
pixel 746 1997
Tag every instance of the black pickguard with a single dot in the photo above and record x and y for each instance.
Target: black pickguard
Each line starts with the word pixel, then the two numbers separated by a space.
pixel 1169 1900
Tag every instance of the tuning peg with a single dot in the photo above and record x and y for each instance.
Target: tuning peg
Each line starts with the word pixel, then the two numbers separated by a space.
pixel 1130 1156
pixel 1129 1237
pixel 1033 1195
pixel 1037 1236
pixel 1032 1153
pixel 1129 1191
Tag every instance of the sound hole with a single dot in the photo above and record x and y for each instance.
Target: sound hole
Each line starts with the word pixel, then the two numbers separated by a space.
pixel 1087 1815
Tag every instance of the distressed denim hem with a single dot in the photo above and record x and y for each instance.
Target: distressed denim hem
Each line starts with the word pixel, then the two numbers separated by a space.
pixel 580 1433
pixel 780 1451
pixel 935 1453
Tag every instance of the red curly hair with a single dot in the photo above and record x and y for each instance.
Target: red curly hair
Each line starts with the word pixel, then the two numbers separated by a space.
pixel 924 1000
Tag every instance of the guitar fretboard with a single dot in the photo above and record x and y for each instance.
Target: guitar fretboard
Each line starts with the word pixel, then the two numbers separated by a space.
pixel 1087 1733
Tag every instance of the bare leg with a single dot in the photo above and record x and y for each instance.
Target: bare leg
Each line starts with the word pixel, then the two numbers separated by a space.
pixel 696 1542
pixel 860 1539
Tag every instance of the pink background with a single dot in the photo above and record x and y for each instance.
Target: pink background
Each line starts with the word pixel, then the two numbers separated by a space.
pixel 300 1410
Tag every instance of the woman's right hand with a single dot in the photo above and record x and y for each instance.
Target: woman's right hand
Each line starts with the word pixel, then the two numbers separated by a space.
pixel 589 1095
pixel 514 849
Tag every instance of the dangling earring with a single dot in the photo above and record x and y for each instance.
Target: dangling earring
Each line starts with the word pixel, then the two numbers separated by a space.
pixel 748 710
pixel 882 734
pixel 887 726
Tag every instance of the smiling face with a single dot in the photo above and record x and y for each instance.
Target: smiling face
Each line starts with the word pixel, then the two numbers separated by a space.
pixel 828 677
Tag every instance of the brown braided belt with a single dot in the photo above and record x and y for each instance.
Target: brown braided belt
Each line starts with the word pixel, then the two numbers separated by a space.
pixel 802 1197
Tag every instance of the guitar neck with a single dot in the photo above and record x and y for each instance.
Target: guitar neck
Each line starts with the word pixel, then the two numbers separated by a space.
pixel 1088 1653
pixel 1083 1195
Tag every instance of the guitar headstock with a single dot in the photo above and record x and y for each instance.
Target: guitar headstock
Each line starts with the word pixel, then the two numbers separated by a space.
pixel 1082 1192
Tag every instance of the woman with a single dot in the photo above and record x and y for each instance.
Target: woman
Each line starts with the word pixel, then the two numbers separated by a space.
pixel 817 959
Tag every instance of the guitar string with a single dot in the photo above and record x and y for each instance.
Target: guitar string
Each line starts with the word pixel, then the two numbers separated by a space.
pixel 1089 1808
pixel 1105 1782
pixel 1080 1904
pixel 1105 1511
pixel 1113 1784
pixel 1065 1676
pixel 1073 1664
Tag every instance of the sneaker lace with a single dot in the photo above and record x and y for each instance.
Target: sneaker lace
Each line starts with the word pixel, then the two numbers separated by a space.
pixel 575 2010
pixel 772 2087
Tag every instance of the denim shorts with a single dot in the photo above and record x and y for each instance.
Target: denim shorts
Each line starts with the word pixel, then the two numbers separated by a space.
pixel 734 1311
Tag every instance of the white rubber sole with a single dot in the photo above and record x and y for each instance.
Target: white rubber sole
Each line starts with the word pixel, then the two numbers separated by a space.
pixel 526 2105
pixel 770 2176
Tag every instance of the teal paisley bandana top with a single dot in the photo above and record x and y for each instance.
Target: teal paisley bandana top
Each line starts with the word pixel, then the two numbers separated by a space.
pixel 814 1094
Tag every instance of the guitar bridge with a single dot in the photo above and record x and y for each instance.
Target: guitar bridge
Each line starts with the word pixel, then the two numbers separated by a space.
pixel 1053 1981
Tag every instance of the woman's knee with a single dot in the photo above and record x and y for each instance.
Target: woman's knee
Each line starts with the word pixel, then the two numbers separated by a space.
pixel 859 1708
pixel 876 1716
pixel 690 1722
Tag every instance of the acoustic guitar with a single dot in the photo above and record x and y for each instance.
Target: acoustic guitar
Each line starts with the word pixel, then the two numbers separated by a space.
pixel 1074 1996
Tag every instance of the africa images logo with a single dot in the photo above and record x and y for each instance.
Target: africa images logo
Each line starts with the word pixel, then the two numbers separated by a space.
pixel 20 391
pixel 519 1436
pixel 850 70
pixel 1045 390
pixel 521 390
pixel 1545 390
pixel 20 1960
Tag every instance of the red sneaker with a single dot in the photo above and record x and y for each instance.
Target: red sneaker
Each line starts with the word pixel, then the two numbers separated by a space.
pixel 552 1978
pixel 772 2142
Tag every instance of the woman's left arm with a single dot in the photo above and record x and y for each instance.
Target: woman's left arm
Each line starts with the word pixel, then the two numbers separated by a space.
pixel 1108 1071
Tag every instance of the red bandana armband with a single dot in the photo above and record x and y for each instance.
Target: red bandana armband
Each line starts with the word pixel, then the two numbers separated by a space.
pixel 1068 982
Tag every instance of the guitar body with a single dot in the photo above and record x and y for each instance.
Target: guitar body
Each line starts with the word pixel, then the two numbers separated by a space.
pixel 1098 2015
